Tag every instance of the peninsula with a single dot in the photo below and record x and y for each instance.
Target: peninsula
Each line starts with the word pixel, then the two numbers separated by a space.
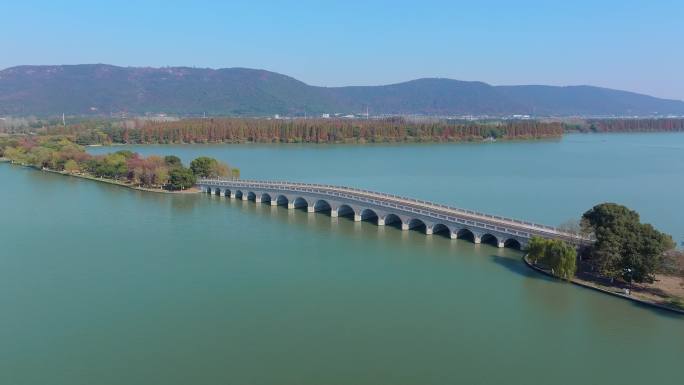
pixel 126 168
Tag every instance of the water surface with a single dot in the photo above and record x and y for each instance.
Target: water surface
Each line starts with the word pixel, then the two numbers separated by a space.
pixel 105 285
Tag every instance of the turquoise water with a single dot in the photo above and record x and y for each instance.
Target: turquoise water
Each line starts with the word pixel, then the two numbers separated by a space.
pixel 545 181
pixel 105 285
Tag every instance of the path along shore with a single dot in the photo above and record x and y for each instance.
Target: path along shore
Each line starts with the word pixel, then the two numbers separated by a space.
pixel 609 290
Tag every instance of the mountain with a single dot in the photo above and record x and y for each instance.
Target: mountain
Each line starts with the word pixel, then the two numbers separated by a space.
pixel 99 89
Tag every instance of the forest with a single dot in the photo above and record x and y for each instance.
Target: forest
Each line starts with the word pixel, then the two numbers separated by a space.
pixel 627 125
pixel 87 131
pixel 241 130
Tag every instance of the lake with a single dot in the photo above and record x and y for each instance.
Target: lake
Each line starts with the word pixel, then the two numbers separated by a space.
pixel 105 285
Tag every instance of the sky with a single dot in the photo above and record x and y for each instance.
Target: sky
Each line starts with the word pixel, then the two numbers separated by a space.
pixel 629 45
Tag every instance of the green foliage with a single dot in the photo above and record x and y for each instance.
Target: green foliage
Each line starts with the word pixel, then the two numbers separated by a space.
pixel 111 166
pixel 561 258
pixel 16 154
pixel 205 167
pixel 557 255
pixel 71 166
pixel 494 133
pixel 202 166
pixel 623 242
pixel 127 154
pixel 161 176
pixel 535 249
pixel 92 136
pixel 181 178
pixel 173 161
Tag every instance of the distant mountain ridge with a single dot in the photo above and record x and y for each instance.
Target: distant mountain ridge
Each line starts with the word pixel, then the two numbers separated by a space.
pixel 100 89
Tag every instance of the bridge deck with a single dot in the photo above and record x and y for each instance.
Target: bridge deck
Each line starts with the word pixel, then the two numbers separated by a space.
pixel 390 201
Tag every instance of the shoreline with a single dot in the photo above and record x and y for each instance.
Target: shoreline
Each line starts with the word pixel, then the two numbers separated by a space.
pixel 342 142
pixel 591 286
pixel 392 142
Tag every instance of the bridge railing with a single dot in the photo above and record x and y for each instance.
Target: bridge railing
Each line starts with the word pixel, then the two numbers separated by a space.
pixel 270 184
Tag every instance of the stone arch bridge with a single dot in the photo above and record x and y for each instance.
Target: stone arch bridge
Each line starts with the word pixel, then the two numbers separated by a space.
pixel 386 209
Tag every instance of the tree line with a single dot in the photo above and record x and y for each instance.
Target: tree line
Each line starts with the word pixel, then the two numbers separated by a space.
pixel 238 130
pixel 61 154
pixel 627 125
pixel 397 129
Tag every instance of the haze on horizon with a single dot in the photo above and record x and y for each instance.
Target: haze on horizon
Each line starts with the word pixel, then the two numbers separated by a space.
pixel 627 45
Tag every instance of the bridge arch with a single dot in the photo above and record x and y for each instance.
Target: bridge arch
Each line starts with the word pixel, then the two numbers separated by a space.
pixel 300 202
pixel 226 192
pixel 251 196
pixel 217 191
pixel 417 224
pixel 345 211
pixel 282 200
pixel 392 220
pixel 323 206
pixel 441 229
pixel 238 194
pixel 369 215
pixel 266 198
pixel 465 234
pixel 489 239
pixel 513 244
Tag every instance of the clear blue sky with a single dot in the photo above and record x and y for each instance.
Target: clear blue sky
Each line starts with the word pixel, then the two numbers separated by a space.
pixel 631 45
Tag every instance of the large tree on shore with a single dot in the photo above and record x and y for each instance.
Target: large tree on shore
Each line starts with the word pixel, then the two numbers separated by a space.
pixel 562 258
pixel 181 178
pixel 624 246
pixel 173 161
pixel 555 254
pixel 205 167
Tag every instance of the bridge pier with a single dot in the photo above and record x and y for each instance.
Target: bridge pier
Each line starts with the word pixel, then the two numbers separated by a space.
pixel 290 205
pixel 476 239
pixel 500 244
pixel 310 209
pixel 257 199
pixel 232 195
pixel 222 193
pixel 244 196
pixel 333 213
pixel 453 235
pixel 428 231
pixel 274 202
pixel 357 217
pixel 381 221
pixel 404 226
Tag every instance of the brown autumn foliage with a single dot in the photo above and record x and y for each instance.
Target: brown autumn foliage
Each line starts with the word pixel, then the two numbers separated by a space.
pixel 238 130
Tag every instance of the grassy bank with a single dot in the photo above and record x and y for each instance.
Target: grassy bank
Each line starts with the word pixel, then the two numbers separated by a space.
pixel 663 296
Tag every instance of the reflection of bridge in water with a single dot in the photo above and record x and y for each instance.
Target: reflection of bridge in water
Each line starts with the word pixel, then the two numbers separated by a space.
pixel 387 209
